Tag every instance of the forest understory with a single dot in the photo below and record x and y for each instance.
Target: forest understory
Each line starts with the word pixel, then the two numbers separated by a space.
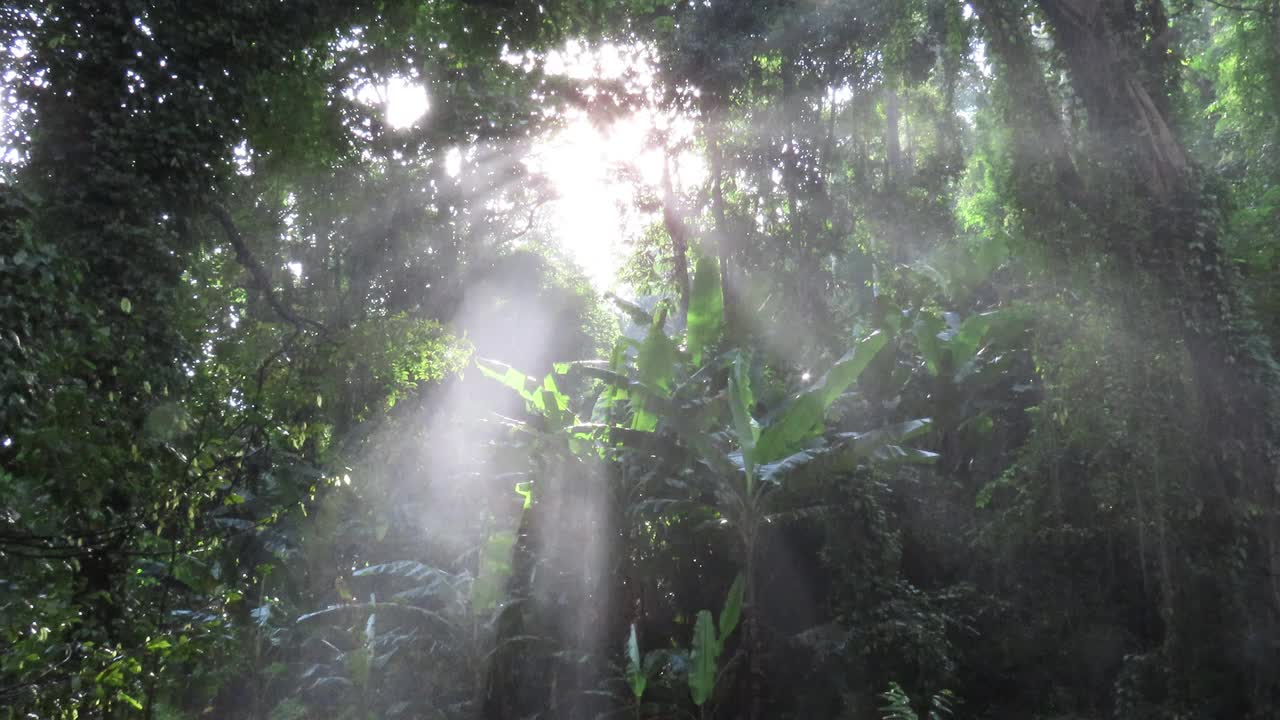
pixel 665 359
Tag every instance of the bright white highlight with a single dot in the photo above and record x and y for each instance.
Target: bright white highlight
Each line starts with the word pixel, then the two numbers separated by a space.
pixel 588 168
pixel 406 102
pixel 453 162
pixel 588 212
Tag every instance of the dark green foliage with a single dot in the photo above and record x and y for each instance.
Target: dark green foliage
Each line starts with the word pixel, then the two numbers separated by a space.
pixel 950 391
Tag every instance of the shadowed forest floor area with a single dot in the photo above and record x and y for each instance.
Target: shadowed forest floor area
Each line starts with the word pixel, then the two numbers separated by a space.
pixel 648 359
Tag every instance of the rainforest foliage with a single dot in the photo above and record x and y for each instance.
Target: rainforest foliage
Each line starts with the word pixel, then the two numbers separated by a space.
pixel 939 382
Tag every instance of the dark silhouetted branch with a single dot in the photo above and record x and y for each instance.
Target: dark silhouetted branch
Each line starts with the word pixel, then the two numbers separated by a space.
pixel 1241 8
pixel 261 277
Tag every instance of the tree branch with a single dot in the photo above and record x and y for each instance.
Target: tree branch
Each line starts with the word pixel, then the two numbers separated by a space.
pixel 261 276
pixel 1241 8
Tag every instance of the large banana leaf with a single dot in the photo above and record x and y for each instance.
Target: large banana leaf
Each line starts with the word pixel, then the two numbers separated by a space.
pixel 848 451
pixel 801 418
pixel 655 366
pixel 398 610
pixel 495 568
pixel 740 401
pixel 544 397
pixel 655 398
pixel 706 309
pixel 638 315
pixel 949 344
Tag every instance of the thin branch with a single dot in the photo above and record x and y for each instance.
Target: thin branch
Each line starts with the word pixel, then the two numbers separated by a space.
pixel 266 363
pixel 1242 8
pixel 46 677
pixel 20 537
pixel 261 277
pixel 533 212
pixel 86 543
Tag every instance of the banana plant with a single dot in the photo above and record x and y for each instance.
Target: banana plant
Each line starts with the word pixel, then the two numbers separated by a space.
pixel 708 645
pixel 637 678
pixel 655 392
pixel 705 650
pixel 898 705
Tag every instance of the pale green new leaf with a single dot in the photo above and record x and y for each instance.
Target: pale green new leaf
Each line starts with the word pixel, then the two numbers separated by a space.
pixel 636 676
pixel 702 658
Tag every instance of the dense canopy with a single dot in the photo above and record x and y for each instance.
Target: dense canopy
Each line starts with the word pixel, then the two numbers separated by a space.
pixel 716 359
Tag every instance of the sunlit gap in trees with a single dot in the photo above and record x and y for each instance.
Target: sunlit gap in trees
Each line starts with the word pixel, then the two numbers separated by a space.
pixel 595 165
pixel 11 108
pixel 404 99
pixel 596 172
pixel 598 161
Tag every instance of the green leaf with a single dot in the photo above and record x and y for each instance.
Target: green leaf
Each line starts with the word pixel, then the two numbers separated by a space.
pixel 849 450
pixel 636 676
pixel 429 582
pixel 619 381
pixel 655 366
pixel 509 376
pixel 126 306
pixel 544 397
pixel 741 400
pixel 868 442
pixel 704 651
pixel 490 584
pixel 638 315
pixel 359 664
pixel 899 455
pixel 428 618
pixel 706 309
pixel 134 703
pixel 525 490
pixel 656 361
pixel 969 336
pixel 553 403
pixel 732 611
pixel 897 705
pixel 802 418
pixel 926 329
